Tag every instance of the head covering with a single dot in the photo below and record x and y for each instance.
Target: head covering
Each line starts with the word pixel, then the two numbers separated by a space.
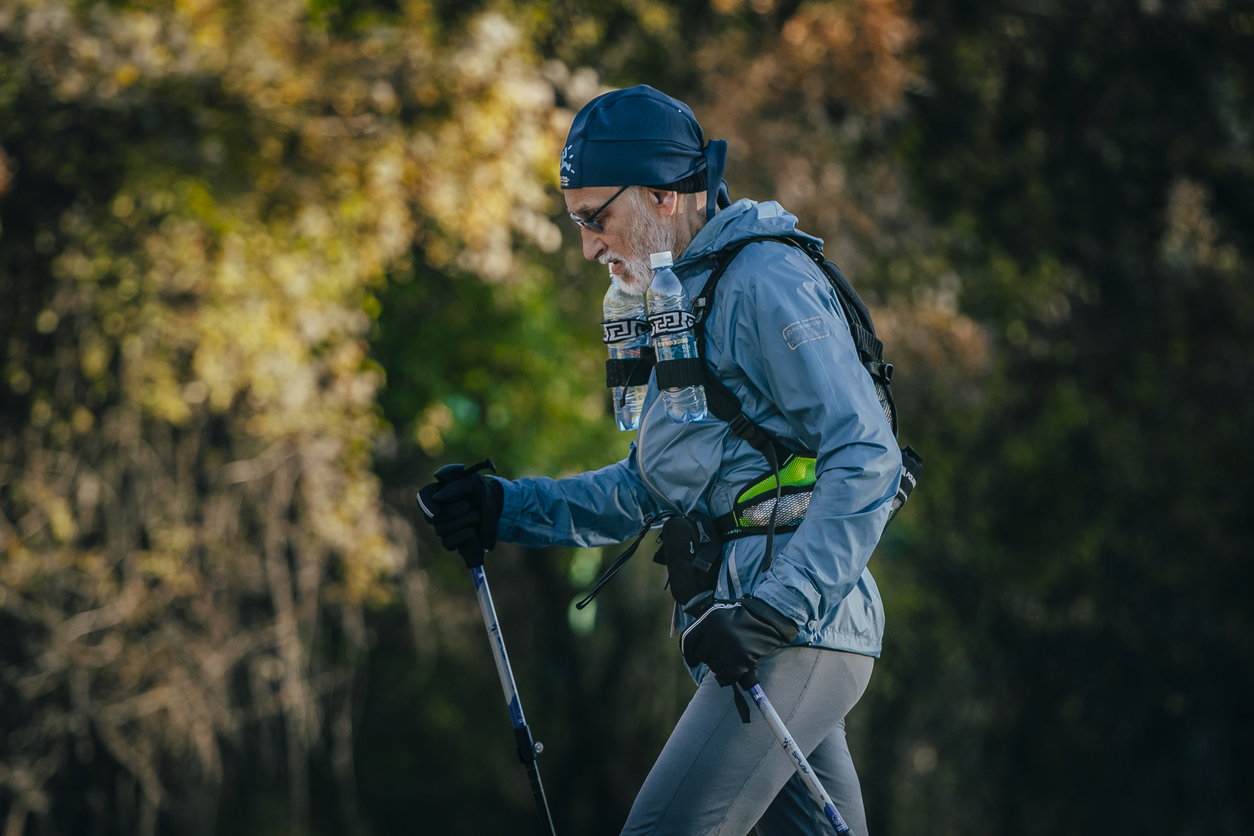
pixel 641 137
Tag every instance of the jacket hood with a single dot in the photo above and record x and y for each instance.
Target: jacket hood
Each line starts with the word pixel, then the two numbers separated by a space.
pixel 743 219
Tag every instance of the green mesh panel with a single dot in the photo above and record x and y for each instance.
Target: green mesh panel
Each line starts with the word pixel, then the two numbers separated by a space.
pixel 792 509
pixel 797 472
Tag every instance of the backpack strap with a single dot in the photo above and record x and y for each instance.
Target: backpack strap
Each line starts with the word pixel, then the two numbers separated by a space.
pixel 720 399
pixel 861 328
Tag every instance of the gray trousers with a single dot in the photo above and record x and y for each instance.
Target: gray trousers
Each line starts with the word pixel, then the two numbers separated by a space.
pixel 719 777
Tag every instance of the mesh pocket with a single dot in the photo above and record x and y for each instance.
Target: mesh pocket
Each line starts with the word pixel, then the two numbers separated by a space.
pixel 791 511
pixel 886 404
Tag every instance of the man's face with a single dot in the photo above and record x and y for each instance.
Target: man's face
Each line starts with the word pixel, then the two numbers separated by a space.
pixel 635 225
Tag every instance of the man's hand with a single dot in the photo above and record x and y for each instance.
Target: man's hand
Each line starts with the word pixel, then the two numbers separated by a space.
pixel 731 638
pixel 464 507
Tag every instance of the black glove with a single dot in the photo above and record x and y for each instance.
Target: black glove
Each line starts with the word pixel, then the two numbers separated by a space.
pixel 731 638
pixel 464 507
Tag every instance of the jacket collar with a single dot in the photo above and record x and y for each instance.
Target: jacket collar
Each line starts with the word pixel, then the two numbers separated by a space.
pixel 743 219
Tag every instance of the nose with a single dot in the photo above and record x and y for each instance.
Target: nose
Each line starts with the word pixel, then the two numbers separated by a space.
pixel 593 246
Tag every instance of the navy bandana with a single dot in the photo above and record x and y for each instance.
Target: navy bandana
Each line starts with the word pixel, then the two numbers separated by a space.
pixel 641 137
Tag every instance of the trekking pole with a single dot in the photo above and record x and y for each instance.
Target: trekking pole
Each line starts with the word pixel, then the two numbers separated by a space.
pixel 527 747
pixel 799 761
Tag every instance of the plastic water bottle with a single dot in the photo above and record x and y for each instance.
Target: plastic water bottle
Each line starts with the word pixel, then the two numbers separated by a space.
pixel 672 325
pixel 626 332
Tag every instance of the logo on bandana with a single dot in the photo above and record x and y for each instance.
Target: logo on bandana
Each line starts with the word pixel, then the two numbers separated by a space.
pixel 568 154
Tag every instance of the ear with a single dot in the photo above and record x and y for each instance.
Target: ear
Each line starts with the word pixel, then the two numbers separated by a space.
pixel 666 203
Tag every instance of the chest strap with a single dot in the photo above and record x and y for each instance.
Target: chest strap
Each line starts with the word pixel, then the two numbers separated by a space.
pixel 630 371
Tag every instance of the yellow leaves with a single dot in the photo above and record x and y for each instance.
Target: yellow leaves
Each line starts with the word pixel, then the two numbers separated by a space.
pixel 485 160
pixel 195 392
pixel 198 200
pixel 94 356
pixel 493 40
pixel 18 378
pixel 60 520
pixel 126 75
pixel 1191 236
pixel 428 94
pixel 436 420
pixel 123 205
pixel 656 18
pixel 154 386
pixel 20 567
pixel 384 97
pixel 82 420
pixel 72 264
pixel 41 412
pixel 47 321
pixel 209 319
pixel 166 562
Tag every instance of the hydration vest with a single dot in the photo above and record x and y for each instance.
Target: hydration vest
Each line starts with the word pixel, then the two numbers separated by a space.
pixel 778 501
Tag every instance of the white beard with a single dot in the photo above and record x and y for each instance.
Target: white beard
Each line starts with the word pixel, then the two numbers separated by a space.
pixel 646 234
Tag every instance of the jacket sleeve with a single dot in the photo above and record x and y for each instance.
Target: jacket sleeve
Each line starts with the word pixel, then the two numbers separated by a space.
pixel 788 335
pixel 598 508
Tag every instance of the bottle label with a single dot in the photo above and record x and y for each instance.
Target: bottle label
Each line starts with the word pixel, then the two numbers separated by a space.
pixel 617 330
pixel 671 322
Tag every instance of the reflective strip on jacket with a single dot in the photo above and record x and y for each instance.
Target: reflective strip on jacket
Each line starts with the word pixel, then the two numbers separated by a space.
pixel 778 338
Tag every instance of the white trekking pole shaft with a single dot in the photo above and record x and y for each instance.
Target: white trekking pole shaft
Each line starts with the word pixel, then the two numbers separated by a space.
pixel 527 748
pixel 799 761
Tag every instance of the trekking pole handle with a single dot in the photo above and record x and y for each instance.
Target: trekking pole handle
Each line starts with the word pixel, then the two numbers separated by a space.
pixel 799 761
pixel 451 473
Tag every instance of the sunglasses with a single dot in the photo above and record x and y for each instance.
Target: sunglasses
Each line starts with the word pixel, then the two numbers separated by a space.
pixel 591 222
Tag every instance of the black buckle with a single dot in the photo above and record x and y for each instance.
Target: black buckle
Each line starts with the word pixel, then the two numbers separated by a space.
pixel 743 427
pixel 880 371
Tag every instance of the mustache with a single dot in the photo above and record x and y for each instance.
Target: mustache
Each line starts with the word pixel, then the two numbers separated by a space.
pixel 634 271
pixel 611 255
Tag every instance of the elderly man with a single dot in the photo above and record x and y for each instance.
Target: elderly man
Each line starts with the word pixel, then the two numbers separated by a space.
pixel 639 178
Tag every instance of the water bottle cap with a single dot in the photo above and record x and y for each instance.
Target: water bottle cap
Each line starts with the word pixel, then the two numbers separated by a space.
pixel 661 260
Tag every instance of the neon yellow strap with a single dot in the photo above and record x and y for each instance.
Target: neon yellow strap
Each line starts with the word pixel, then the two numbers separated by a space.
pixel 797 472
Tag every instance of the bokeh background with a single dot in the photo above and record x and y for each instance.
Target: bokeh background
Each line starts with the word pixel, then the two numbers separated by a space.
pixel 265 266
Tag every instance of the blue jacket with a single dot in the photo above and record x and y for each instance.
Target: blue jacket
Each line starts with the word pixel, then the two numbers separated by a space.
pixel 778 338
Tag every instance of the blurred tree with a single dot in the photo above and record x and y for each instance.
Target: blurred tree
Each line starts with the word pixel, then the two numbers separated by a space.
pixel 1069 640
pixel 198 203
